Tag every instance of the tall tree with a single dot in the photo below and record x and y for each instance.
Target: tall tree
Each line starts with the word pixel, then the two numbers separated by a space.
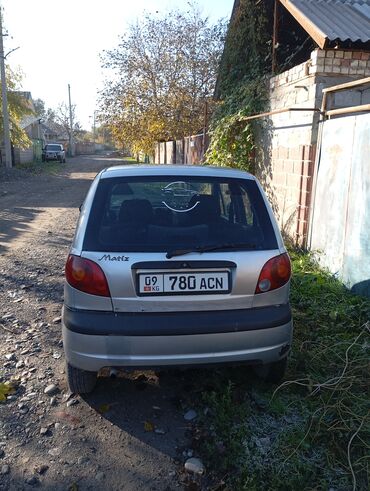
pixel 40 110
pixel 164 72
pixel 58 120
pixel 18 108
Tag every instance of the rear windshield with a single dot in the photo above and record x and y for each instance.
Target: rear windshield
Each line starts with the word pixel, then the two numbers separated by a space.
pixel 54 148
pixel 160 213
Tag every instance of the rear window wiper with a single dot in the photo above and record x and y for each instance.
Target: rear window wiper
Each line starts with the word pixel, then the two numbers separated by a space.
pixel 219 247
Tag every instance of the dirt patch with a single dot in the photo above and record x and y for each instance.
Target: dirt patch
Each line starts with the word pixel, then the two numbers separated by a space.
pixel 131 432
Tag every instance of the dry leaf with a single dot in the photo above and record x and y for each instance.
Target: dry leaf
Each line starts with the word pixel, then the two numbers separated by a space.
pixel 103 408
pixel 5 389
pixel 148 426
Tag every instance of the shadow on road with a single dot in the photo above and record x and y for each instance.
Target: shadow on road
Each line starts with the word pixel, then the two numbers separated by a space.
pixel 38 200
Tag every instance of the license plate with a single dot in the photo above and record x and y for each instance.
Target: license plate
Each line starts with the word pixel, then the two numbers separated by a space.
pixel 184 283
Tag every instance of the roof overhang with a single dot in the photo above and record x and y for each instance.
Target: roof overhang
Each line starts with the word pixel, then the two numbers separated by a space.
pixel 317 35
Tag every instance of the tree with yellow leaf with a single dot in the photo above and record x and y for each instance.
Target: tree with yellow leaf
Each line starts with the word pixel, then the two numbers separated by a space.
pixel 160 78
pixel 18 107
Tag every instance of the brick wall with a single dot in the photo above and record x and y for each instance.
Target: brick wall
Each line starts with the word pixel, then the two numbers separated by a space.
pixel 288 140
pixel 343 62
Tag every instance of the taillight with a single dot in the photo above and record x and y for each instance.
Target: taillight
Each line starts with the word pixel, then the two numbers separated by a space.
pixel 274 274
pixel 86 276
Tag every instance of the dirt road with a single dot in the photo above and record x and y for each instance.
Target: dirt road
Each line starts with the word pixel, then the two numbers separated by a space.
pixel 131 433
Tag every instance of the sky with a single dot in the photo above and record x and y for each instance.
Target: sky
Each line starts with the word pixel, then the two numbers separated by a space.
pixel 60 42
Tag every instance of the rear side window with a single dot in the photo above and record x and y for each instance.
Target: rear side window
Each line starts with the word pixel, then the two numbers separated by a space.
pixel 160 213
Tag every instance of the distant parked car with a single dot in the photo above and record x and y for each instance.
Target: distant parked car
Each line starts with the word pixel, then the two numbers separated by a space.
pixel 175 265
pixel 53 151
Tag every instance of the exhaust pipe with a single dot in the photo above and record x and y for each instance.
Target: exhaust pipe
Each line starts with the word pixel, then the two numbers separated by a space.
pixel 113 373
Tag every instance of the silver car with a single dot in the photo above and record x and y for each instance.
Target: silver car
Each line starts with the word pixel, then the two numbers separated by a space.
pixel 53 151
pixel 175 266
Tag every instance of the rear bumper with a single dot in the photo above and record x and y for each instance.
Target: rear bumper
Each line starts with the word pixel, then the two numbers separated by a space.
pixel 102 323
pixel 144 340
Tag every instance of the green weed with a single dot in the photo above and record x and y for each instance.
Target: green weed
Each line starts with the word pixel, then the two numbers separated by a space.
pixel 313 431
pixel 37 168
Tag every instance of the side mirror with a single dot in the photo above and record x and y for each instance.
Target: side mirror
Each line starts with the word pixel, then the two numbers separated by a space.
pixel 80 207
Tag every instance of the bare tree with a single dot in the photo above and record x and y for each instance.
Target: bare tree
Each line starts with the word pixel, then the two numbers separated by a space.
pixel 164 71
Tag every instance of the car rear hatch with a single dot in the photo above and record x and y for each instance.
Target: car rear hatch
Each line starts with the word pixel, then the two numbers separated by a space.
pixel 211 281
pixel 180 243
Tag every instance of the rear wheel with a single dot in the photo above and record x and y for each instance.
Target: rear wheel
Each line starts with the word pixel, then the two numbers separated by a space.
pixel 271 372
pixel 80 381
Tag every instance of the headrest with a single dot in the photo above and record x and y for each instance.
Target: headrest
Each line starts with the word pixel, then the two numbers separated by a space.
pixel 138 211
pixel 207 209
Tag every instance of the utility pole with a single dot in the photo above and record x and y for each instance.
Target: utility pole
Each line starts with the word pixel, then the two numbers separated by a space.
pixel 8 150
pixel 71 142
pixel 94 130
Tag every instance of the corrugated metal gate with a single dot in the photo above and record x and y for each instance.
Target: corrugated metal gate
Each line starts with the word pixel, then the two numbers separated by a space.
pixel 340 228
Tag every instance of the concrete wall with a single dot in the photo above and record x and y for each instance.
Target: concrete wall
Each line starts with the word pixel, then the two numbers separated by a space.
pixel 23 156
pixel 288 140
pixel 84 148
pixel 340 228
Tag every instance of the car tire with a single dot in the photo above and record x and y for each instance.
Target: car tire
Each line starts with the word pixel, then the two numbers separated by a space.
pixel 80 381
pixel 64 161
pixel 272 373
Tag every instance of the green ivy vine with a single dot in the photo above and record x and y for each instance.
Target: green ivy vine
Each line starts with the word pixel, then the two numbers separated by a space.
pixel 241 88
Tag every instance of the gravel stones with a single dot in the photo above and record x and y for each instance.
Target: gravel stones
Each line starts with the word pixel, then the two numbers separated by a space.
pixel 83 460
pixel 32 481
pixel 55 452
pixel 190 415
pixel 51 390
pixel 5 469
pixel 41 469
pixel 194 466
pixel 100 476
pixel 53 401
pixel 72 402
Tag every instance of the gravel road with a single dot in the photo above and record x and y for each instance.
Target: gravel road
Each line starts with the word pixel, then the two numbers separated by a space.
pixel 131 433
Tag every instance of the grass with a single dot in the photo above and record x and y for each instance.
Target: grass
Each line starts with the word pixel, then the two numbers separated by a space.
pixel 37 168
pixel 313 431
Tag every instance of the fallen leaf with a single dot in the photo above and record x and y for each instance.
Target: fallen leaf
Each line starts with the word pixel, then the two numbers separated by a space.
pixel 5 389
pixel 148 426
pixel 103 408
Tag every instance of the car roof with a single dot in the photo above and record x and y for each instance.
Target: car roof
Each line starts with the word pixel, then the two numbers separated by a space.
pixel 173 170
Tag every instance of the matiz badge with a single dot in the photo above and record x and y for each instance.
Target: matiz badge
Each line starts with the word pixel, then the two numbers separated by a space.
pixel 108 257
